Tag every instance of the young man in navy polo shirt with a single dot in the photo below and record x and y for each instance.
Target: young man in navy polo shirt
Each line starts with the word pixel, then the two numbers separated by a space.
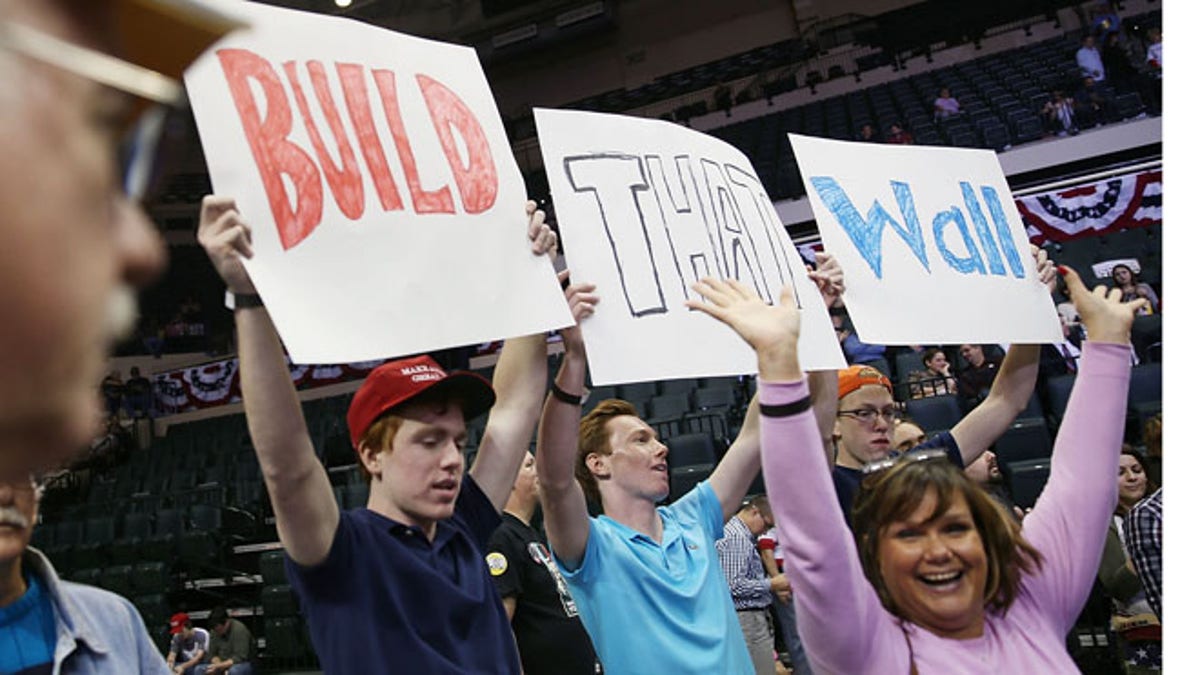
pixel 402 584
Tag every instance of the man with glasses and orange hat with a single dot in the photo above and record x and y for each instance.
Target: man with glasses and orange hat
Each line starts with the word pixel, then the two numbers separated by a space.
pixel 864 425
pixel 75 243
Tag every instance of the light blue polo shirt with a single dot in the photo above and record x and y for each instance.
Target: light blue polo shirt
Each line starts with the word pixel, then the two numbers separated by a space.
pixel 666 608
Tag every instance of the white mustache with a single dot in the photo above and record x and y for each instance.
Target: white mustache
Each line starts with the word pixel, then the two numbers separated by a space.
pixel 121 314
pixel 9 515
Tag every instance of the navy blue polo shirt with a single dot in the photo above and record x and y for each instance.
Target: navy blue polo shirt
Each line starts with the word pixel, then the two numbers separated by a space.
pixel 387 600
pixel 847 480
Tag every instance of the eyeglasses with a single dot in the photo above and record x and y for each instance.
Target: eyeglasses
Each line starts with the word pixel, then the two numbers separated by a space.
pixel 139 155
pixel 91 64
pixel 908 458
pixel 868 415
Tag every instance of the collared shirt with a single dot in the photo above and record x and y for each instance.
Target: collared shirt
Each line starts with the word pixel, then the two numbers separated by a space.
pixel 660 607
pixel 1090 63
pixel 96 632
pixel 386 598
pixel 1142 533
pixel 237 644
pixel 748 583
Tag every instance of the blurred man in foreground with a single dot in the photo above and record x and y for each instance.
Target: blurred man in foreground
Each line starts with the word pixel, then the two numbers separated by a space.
pixel 75 244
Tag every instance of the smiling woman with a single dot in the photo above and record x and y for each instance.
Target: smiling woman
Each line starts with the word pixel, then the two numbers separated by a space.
pixel 936 548
pixel 936 578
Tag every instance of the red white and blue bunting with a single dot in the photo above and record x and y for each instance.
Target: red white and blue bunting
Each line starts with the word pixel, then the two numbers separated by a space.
pixel 1119 203
pixel 217 383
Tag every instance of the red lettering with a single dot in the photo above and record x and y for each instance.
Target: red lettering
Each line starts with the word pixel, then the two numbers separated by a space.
pixel 354 89
pixel 476 179
pixel 273 153
pixel 346 182
pixel 437 201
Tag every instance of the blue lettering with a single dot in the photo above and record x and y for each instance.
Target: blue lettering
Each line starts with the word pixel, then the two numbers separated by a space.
pixel 867 234
pixel 1004 232
pixel 972 262
pixel 995 265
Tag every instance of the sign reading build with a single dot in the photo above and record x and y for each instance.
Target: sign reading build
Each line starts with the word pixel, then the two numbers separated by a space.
pixel 387 209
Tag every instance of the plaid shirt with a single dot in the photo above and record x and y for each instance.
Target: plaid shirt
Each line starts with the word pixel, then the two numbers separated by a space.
pixel 1142 532
pixel 748 583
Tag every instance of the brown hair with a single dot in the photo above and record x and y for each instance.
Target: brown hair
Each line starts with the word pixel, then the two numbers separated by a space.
pixel 593 439
pixel 894 494
pixel 1153 436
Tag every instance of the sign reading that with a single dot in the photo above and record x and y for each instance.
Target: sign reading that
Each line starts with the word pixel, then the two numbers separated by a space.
pixel 645 208
pixel 932 245
pixel 388 211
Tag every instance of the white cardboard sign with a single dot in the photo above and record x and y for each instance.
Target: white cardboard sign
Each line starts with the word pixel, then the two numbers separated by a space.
pixel 647 207
pixel 930 239
pixel 387 208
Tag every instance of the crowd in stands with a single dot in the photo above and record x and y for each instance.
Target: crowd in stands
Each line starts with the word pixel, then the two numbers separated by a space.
pixel 927 544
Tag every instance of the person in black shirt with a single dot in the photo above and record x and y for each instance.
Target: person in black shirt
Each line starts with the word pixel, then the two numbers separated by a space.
pixel 550 636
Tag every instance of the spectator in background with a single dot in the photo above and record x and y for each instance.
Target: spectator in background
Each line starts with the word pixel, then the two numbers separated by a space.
pixel 1088 58
pixel 1058 115
pixel 787 640
pixel 64 206
pixel 752 590
pixel 550 636
pixel 945 106
pixel 977 376
pixel 1138 630
pixel 907 435
pixel 1142 534
pixel 51 625
pixel 137 394
pixel 898 135
pixel 867 134
pixel 1091 105
pixel 1154 53
pixel 231 645
pixel 936 379
pixel 1154 60
pixel 113 390
pixel 189 644
pixel 985 472
pixel 1124 278
pixel 1117 64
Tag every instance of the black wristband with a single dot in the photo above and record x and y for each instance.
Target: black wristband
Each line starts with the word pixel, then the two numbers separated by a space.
pixel 785 409
pixel 242 300
pixel 569 399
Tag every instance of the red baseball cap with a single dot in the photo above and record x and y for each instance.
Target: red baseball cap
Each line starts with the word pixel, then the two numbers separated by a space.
pixel 177 621
pixel 394 383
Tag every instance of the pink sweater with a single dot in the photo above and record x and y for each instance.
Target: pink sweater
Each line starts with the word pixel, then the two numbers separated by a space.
pixel 844 626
